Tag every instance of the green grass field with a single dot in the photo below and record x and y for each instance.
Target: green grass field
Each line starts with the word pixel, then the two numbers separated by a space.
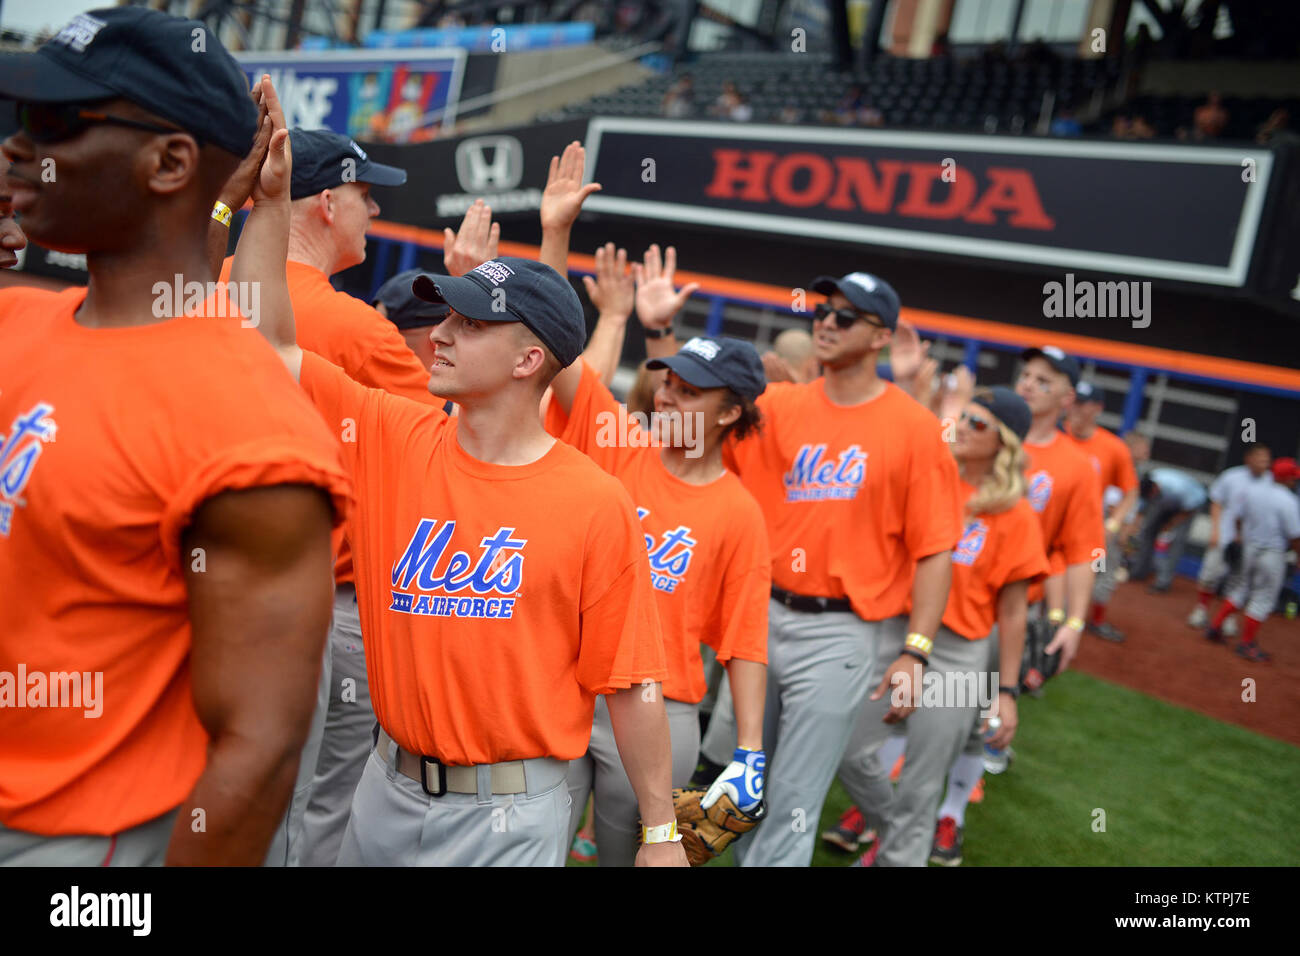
pixel 1177 788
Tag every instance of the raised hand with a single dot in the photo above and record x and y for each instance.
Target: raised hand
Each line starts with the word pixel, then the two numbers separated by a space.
pixel 657 302
pixel 906 352
pixel 776 368
pixel 474 243
pixel 564 194
pixel 613 290
pixel 272 181
pixel 240 184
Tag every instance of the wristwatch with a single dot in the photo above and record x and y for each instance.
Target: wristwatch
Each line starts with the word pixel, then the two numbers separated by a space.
pixel 1014 691
pixel 658 333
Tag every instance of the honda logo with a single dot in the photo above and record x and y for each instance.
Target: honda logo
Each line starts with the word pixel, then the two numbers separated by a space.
pixel 488 164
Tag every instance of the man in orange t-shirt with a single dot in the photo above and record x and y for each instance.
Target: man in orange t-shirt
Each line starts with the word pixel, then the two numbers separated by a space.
pixel 859 493
pixel 168 532
pixel 1118 479
pixel 1064 489
pixel 502 580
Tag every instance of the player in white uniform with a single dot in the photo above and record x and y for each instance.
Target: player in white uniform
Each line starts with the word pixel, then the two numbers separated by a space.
pixel 1267 517
pixel 1214 565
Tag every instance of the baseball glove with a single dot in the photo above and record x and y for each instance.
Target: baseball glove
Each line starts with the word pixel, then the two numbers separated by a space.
pixel 706 833
pixel 1036 664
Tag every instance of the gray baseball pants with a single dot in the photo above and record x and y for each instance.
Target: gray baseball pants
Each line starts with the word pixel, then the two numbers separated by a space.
pixel 818 670
pixel 1103 587
pixel 395 823
pixel 864 777
pixel 719 741
pixel 600 770
pixel 1256 589
pixel 286 843
pixel 347 736
pixel 143 845
pixel 935 736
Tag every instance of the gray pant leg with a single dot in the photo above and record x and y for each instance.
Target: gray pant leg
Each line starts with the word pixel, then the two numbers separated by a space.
pixel 617 814
pixel 1173 554
pixel 1158 512
pixel 720 740
pixel 1213 569
pixel 713 672
pixel 286 842
pixel 935 735
pixel 395 823
pixel 864 777
pixel 1103 588
pixel 580 780
pixel 1267 576
pixel 143 845
pixel 818 669
pixel 349 722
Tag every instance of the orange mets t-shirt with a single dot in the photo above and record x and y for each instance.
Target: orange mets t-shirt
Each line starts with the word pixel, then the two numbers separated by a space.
pixel 1065 492
pixel 853 496
pixel 111 439
pixel 497 601
pixel 350 334
pixel 995 550
pixel 710 563
pixel 1110 457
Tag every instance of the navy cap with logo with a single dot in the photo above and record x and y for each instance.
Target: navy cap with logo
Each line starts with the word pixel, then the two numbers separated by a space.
pixel 403 307
pixel 1088 392
pixel 325 160
pixel 1010 409
pixel 1054 357
pixel 175 68
pixel 707 362
pixel 515 290
pixel 865 292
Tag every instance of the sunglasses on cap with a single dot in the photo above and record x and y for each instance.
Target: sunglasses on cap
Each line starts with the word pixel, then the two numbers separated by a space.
pixel 977 424
pixel 844 318
pixel 55 122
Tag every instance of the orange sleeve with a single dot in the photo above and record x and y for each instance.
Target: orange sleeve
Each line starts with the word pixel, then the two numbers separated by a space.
pixel 1083 530
pixel 620 643
pixel 1125 472
pixel 592 425
pixel 740 628
pixel 933 511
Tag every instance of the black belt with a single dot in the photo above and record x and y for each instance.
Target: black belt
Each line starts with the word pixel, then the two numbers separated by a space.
pixel 809 605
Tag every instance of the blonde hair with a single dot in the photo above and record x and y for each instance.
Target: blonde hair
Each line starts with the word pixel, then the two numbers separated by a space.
pixel 641 396
pixel 1004 485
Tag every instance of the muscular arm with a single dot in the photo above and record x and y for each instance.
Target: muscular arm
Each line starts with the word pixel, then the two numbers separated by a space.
pixel 260 611
pixel 930 593
pixel 641 732
pixel 748 681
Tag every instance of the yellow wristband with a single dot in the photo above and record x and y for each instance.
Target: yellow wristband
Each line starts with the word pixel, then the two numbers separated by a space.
pixel 1075 624
pixel 665 833
pixel 221 213
pixel 1056 616
pixel 920 642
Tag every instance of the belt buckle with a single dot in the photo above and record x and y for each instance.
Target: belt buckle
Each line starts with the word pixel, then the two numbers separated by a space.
pixel 788 600
pixel 425 763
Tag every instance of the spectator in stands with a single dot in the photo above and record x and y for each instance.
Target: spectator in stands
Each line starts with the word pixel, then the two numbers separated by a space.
pixel 1141 128
pixel 741 112
pixel 1170 497
pixel 727 100
pixel 1121 126
pixel 790 113
pixel 1210 119
pixel 1065 124
pixel 679 101
pixel 1274 127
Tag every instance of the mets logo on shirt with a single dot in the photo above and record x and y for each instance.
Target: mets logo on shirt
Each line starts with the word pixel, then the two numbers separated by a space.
pixel 463 585
pixel 20 449
pixel 817 476
pixel 670 555
pixel 971 543
pixel 1040 490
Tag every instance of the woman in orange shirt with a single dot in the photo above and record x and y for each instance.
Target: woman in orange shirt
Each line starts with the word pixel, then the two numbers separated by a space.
pixel 983 630
pixel 709 558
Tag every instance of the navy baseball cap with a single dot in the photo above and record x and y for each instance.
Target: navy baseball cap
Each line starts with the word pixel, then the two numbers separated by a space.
pixel 510 289
pixel 1055 358
pixel 1088 392
pixel 175 68
pixel 325 160
pixel 1010 409
pixel 707 362
pixel 866 292
pixel 403 308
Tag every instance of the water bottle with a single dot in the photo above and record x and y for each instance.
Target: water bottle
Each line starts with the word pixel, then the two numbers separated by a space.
pixel 995 761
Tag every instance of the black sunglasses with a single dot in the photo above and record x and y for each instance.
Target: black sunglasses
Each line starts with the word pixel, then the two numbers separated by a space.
pixel 976 424
pixel 844 318
pixel 55 122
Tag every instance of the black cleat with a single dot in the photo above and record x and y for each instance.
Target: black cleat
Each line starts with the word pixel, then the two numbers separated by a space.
pixel 706 771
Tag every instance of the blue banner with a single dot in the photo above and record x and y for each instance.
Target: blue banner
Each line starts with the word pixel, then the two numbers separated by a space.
pixel 488 39
pixel 378 96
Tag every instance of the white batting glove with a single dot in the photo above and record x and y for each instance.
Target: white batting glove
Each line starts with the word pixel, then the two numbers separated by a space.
pixel 742 781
